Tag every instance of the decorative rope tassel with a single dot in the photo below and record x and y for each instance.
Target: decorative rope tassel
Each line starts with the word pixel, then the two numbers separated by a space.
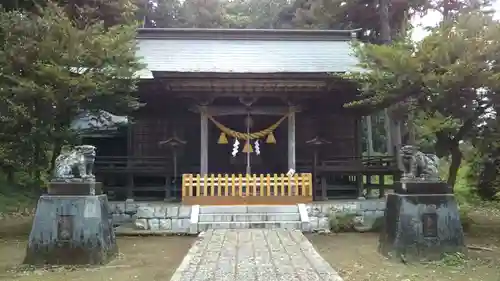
pixel 270 138
pixel 248 147
pixel 222 138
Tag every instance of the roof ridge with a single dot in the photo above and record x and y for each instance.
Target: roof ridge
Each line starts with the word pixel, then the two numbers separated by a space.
pixel 247 34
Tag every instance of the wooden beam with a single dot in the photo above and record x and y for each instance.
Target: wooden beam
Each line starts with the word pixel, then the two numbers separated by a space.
pixel 243 110
pixel 204 144
pixel 397 142
pixel 388 133
pixel 291 138
pixel 369 136
pixel 359 153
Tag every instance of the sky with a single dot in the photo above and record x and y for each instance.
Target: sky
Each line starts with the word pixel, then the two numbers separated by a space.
pixel 433 18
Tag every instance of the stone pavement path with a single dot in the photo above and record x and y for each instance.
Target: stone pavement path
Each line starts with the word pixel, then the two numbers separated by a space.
pixel 254 255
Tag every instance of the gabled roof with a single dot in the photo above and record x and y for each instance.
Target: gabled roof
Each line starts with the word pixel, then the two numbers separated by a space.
pixel 245 50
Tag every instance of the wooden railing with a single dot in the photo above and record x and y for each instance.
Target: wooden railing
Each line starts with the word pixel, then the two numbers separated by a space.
pixel 246 189
pixel 359 164
pixel 122 164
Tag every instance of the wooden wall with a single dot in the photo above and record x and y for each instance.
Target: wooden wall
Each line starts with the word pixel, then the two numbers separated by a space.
pixel 339 129
pixel 160 119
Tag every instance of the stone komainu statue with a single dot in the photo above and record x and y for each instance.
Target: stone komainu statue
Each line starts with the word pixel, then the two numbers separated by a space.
pixel 75 164
pixel 418 165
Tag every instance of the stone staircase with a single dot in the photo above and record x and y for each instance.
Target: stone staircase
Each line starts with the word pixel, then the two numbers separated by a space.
pixel 252 216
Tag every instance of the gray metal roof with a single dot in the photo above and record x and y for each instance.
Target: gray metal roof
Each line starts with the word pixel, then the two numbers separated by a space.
pixel 246 51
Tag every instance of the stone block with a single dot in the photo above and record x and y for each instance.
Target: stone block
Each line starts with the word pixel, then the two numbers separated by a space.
pixel 260 225
pixel 203 227
pixel 239 209
pixel 223 218
pixel 247 217
pixel 323 223
pixel 120 218
pixel 283 217
pixel 218 226
pixel 172 211
pixel 160 212
pixel 165 224
pixel 313 210
pixel 238 225
pixel 74 188
pixel 273 209
pixel 193 228
pixel 141 224
pixel 181 225
pixel 153 224
pixel 273 225
pixel 306 227
pixel 208 218
pixel 145 212
pixel 71 230
pixel 290 225
pixel 117 207
pixel 131 207
pixel 185 212
pixel 421 227
pixel 314 222
pixel 325 209
pixel 420 187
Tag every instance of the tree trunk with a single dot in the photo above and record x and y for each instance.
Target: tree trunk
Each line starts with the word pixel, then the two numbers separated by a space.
pixel 385 24
pixel 456 159
pixel 56 150
pixel 37 162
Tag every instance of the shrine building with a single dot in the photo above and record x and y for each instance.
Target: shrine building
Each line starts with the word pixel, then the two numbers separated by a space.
pixel 242 116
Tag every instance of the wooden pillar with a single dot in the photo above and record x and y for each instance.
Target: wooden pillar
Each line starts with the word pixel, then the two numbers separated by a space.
pixel 397 141
pixel 130 175
pixel 359 153
pixel 203 142
pixel 291 138
pixel 388 133
pixel 369 137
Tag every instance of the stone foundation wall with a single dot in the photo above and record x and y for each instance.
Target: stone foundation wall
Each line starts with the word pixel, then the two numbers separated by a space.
pixel 365 213
pixel 152 216
pixel 175 218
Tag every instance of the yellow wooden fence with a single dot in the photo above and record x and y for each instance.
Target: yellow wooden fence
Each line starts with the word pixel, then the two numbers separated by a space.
pixel 246 189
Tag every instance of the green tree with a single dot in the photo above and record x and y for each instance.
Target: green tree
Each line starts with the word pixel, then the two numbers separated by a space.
pixel 52 70
pixel 451 76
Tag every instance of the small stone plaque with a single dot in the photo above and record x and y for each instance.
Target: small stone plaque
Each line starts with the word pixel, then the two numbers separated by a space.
pixel 64 227
pixel 429 225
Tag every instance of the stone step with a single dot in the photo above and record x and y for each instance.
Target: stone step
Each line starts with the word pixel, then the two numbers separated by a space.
pixel 249 217
pixel 239 209
pixel 204 226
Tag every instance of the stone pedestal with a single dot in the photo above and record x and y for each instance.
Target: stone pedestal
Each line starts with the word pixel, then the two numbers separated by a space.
pixel 421 222
pixel 75 188
pixel 71 229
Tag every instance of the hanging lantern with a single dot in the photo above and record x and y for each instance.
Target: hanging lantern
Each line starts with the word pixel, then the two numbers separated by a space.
pixel 222 138
pixel 248 147
pixel 270 138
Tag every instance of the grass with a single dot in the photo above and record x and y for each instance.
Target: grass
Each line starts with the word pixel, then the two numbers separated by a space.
pixel 16 204
pixel 16 200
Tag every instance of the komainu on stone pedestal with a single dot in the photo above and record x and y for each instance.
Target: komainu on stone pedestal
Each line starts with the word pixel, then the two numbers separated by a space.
pixel 71 230
pixel 421 220
pixel 72 223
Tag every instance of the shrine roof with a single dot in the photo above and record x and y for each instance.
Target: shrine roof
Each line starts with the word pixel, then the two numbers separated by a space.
pixel 197 50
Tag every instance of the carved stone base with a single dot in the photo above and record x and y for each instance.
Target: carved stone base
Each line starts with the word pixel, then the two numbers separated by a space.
pixel 421 226
pixel 75 188
pixel 71 230
pixel 422 187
